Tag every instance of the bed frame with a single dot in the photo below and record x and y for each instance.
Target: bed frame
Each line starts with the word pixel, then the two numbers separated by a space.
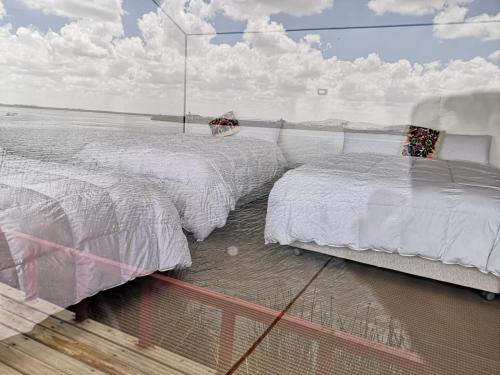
pixel 488 284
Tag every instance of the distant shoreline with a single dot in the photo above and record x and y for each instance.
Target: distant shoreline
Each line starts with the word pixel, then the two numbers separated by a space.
pixel 75 110
pixel 333 125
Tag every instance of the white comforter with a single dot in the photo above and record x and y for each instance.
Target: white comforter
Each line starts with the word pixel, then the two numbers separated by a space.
pixel 206 176
pixel 67 233
pixel 440 210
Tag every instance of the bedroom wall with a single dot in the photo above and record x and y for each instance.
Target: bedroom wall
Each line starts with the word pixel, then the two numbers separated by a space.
pixel 309 146
pixel 474 114
pixel 299 146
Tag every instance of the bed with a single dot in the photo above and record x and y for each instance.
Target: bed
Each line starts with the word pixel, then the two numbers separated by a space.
pixel 67 233
pixel 433 218
pixel 206 176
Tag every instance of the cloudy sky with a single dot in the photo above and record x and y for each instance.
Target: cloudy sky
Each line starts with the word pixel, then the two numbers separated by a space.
pixel 125 55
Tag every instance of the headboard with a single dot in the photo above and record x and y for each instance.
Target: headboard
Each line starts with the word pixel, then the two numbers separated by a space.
pixel 474 114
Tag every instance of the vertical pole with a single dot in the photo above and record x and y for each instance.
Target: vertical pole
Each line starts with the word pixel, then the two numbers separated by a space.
pixel 324 362
pixel 31 276
pixel 226 341
pixel 185 81
pixel 146 316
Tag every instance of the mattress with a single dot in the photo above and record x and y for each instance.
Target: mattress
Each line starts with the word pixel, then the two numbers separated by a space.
pixel 205 176
pixel 440 210
pixel 67 233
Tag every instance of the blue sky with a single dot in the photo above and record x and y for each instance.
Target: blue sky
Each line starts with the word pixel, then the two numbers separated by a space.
pixel 20 15
pixel 414 44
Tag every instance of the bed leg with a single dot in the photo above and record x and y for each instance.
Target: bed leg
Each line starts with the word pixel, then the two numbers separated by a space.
pixel 488 296
pixel 82 311
pixel 298 252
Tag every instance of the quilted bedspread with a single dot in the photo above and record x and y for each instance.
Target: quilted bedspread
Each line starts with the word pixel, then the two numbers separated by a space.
pixel 67 233
pixel 206 176
pixel 441 210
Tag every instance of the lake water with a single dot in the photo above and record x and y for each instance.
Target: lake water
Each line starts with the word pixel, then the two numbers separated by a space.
pixel 66 120
pixel 58 134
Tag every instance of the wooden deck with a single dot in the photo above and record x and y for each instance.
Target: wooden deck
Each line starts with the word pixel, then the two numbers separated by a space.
pixel 59 345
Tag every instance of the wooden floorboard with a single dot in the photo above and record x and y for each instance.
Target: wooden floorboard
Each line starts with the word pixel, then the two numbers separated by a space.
pixel 155 353
pixel 69 365
pixel 24 363
pixel 59 345
pixel 7 370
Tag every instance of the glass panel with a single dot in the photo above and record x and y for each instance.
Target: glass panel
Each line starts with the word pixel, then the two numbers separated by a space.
pixel 380 325
pixel 159 179
pixel 215 310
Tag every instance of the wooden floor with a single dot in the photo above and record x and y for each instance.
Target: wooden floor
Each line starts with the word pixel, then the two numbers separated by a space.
pixel 59 345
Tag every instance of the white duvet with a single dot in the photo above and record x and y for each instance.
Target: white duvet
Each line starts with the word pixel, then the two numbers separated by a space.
pixel 67 233
pixel 440 210
pixel 206 176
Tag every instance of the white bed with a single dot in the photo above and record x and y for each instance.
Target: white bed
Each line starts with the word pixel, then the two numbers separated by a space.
pixel 445 213
pixel 206 176
pixel 67 233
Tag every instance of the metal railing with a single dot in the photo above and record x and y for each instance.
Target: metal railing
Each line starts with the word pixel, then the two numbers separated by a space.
pixel 328 340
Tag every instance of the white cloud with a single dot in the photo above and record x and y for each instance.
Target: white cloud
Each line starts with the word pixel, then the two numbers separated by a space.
pixel 2 10
pixel 85 38
pixel 445 11
pixel 411 7
pixel 495 56
pixel 103 10
pixel 486 31
pixel 192 16
pixel 91 64
pixel 313 39
pixel 244 9
pixel 273 75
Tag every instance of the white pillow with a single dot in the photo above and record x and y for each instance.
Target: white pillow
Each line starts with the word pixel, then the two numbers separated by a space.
pixel 270 134
pixel 267 134
pixel 372 143
pixel 475 148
